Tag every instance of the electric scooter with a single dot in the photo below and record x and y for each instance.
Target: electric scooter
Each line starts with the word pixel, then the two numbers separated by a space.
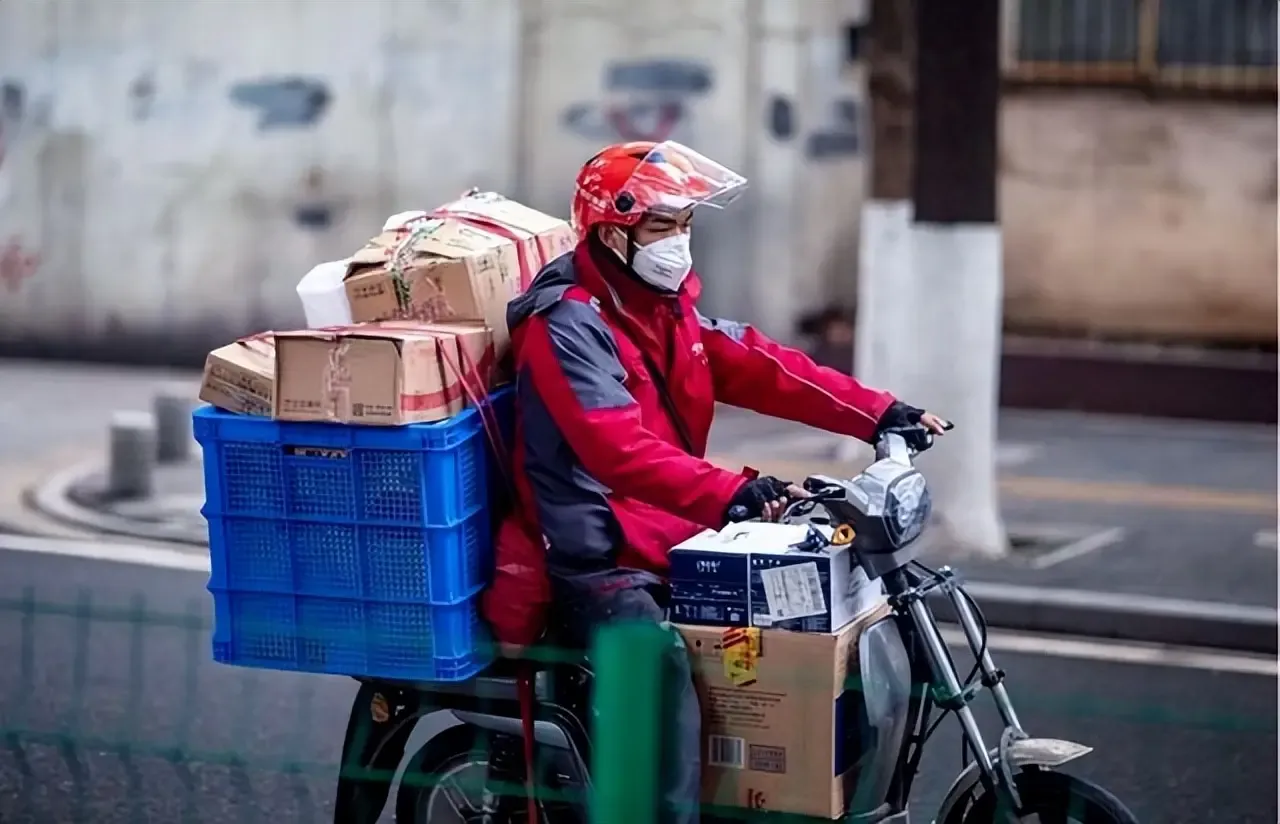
pixel 474 771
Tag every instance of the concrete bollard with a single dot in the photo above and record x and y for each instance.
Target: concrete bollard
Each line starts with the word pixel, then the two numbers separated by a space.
pixel 131 456
pixel 172 408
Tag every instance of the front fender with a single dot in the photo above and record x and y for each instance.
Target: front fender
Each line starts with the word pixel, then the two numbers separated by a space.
pixel 1038 752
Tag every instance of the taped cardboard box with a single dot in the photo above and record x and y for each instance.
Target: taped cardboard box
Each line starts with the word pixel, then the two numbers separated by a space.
pixel 381 374
pixel 539 238
pixel 240 377
pixel 777 721
pixel 435 270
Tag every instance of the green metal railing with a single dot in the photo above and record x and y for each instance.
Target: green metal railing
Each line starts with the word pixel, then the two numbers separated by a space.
pixel 88 685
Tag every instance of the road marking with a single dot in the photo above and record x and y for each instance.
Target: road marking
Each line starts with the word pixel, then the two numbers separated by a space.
pixel 158 557
pixel 1120 653
pixel 1026 487
pixel 1266 539
pixel 1087 544
pixel 1016 454
pixel 997 640
pixel 1135 494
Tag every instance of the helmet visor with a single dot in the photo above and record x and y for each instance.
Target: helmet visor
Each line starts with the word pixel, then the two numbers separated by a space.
pixel 672 178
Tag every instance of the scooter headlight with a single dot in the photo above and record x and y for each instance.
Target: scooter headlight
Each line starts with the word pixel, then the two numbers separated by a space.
pixel 907 508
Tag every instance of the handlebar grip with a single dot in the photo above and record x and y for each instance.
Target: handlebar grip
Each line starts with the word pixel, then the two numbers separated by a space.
pixel 738 513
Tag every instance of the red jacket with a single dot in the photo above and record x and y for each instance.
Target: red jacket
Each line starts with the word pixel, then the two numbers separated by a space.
pixel 610 474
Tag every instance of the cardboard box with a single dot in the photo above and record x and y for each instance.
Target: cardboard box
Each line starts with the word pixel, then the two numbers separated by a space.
pixel 539 238
pixel 240 377
pixel 776 735
pixel 749 574
pixel 434 270
pixel 380 373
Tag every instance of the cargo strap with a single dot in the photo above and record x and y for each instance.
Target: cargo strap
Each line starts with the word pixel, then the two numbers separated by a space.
pixel 524 687
pixel 488 418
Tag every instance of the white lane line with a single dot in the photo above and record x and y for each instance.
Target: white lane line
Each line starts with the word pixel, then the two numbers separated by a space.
pixel 998 640
pixel 1120 652
pixel 1087 544
pixel 158 557
pixel 1266 539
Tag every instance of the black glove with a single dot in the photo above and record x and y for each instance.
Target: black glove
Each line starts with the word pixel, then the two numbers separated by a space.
pixel 750 499
pixel 905 420
pixel 898 416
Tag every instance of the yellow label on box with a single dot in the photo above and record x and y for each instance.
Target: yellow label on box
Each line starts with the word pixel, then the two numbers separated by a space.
pixel 741 648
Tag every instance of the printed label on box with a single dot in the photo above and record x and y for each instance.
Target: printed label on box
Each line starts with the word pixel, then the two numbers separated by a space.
pixel 793 591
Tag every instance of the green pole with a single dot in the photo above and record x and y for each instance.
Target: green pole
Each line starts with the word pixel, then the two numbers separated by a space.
pixel 629 664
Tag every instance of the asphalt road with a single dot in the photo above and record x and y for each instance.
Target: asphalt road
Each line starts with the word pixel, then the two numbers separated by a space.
pixel 111 711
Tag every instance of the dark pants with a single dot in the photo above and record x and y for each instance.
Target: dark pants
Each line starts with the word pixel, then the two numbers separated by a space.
pixel 579 611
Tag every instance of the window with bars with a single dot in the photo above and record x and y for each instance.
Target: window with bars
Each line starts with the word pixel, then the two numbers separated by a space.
pixel 1227 45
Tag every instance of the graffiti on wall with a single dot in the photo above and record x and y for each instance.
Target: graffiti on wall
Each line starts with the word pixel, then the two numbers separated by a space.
pixel 284 102
pixel 13 99
pixel 17 265
pixel 836 130
pixel 838 135
pixel 641 100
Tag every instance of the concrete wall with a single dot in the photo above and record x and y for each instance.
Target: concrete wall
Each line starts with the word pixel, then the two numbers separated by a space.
pixel 760 85
pixel 169 170
pixel 1133 218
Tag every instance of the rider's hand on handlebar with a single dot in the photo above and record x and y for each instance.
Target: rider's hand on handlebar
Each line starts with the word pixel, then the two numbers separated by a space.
pixel 765 497
pixel 902 416
pixel 774 509
pixel 934 424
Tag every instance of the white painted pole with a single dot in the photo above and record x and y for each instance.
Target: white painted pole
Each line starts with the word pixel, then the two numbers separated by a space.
pixel 956 372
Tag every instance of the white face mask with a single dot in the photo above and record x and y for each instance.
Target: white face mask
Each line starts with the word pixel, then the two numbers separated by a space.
pixel 664 263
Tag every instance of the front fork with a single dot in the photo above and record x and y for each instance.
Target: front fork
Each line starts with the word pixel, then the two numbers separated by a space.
pixel 949 692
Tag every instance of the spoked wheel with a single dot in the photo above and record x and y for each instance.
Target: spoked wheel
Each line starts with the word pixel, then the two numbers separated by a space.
pixel 447 782
pixel 1050 798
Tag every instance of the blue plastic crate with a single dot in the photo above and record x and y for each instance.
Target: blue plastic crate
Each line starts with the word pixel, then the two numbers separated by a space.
pixel 339 636
pixel 349 549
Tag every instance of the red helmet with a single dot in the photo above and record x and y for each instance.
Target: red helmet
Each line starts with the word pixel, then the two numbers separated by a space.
pixel 624 181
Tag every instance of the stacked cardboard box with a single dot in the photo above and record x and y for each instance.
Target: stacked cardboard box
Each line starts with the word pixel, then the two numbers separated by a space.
pixel 779 732
pixel 427 301
pixel 772 622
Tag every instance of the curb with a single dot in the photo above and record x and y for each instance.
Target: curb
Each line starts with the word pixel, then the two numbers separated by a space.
pixel 1115 616
pixel 53 499
pixel 1120 617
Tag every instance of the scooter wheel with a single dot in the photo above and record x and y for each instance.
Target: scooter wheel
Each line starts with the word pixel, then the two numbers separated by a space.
pixel 1054 797
pixel 445 781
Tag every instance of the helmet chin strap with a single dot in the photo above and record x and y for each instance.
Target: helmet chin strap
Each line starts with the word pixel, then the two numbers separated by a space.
pixel 632 247
pixel 629 258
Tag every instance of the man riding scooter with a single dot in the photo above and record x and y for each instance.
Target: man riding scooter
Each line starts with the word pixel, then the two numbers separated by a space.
pixel 617 376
